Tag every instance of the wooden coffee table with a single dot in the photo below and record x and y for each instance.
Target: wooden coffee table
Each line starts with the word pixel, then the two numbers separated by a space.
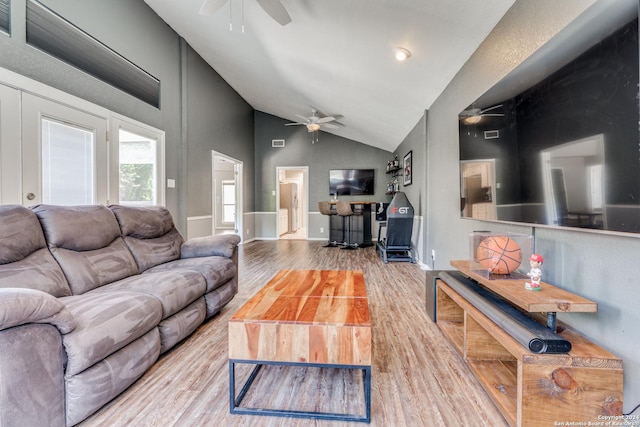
pixel 317 318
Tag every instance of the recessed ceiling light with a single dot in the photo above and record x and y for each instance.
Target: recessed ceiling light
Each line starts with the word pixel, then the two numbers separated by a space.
pixel 402 54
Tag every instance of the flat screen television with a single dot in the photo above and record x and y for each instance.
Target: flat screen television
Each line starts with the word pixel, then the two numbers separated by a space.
pixel 351 182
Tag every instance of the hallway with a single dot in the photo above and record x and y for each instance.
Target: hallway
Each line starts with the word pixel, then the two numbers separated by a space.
pixel 299 234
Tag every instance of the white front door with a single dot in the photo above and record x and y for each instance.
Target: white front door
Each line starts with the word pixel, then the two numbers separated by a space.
pixel 64 154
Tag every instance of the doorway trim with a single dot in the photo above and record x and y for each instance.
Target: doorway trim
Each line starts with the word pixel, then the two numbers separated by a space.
pixel 237 173
pixel 304 199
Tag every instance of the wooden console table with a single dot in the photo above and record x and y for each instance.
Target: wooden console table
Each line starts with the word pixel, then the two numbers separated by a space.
pixel 531 389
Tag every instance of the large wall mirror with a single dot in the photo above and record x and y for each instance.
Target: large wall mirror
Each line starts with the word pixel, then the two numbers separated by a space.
pixel 557 141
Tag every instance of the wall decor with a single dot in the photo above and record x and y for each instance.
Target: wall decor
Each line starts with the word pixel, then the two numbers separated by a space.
pixel 407 168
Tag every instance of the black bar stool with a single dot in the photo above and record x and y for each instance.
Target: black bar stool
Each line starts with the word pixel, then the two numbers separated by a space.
pixel 325 209
pixel 346 212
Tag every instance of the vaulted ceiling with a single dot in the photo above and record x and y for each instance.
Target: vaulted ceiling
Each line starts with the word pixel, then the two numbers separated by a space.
pixel 337 56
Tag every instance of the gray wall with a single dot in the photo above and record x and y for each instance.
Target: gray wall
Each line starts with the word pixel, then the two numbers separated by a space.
pixel 604 268
pixel 217 119
pixel 118 24
pixel 416 141
pixel 330 152
pixel 199 111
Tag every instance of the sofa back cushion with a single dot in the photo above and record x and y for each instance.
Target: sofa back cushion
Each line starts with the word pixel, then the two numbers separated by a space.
pixel 149 233
pixel 25 261
pixel 86 242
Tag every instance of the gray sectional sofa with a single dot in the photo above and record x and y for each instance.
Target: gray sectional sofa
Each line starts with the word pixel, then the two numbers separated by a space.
pixel 90 296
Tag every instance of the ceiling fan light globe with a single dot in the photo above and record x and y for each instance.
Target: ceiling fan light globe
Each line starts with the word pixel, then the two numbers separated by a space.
pixel 472 120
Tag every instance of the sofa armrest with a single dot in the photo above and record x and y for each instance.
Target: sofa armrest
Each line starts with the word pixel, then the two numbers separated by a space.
pixel 19 306
pixel 220 245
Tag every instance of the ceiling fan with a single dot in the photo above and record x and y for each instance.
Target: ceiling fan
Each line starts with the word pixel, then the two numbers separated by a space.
pixel 314 123
pixel 474 115
pixel 274 9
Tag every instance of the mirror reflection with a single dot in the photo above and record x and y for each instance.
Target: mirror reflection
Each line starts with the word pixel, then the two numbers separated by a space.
pixel 564 149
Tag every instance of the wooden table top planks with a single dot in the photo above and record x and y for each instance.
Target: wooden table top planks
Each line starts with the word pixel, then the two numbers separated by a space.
pixel 305 316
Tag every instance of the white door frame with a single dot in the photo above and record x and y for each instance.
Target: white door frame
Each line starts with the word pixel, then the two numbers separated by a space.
pixel 238 168
pixel 304 199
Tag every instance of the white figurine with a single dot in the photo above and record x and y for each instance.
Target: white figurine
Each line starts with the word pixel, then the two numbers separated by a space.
pixel 535 274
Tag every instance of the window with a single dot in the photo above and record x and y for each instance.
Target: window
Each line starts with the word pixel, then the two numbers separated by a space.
pixel 228 202
pixel 137 164
pixel 5 16
pixel 67 164
pixel 137 172
pixel 48 31
pixel 57 152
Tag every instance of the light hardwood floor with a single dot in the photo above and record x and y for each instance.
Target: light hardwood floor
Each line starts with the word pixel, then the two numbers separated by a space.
pixel 417 379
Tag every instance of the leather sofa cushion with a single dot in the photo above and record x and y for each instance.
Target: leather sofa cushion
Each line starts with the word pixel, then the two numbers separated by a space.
pixel 151 252
pixel 219 244
pixel 86 242
pixel 179 326
pixel 174 290
pixel 20 233
pixel 19 306
pixel 89 390
pixel 105 323
pixel 88 270
pixel 149 233
pixel 36 271
pixel 78 228
pixel 143 223
pixel 25 261
pixel 216 270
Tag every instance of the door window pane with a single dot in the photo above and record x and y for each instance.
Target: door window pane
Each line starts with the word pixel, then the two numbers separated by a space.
pixel 67 164
pixel 228 201
pixel 137 169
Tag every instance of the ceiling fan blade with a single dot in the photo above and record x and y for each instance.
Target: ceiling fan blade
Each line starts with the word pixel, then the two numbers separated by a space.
pixel 276 10
pixel 330 126
pixel 209 7
pixel 295 124
pixel 325 119
pixel 490 108
pixel 306 119
pixel 471 112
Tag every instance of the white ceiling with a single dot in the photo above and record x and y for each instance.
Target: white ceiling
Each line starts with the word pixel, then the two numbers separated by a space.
pixel 337 56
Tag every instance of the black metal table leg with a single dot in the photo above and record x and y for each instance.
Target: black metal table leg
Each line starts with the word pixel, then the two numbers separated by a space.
pixel 235 401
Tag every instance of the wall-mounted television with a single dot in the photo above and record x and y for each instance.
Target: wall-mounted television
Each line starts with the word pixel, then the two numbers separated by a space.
pixel 351 182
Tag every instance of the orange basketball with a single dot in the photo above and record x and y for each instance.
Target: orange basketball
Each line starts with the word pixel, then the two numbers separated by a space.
pixel 499 255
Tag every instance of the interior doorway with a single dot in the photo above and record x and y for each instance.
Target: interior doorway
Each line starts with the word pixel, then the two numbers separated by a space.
pixel 478 189
pixel 227 194
pixel 292 195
